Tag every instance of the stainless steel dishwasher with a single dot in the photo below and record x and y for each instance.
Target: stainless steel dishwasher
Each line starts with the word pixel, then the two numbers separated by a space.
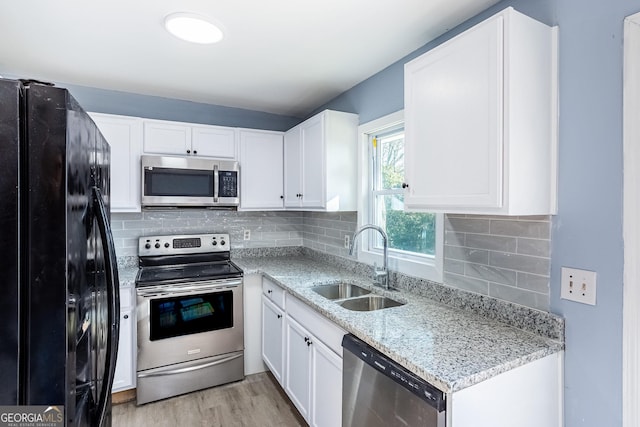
pixel 378 392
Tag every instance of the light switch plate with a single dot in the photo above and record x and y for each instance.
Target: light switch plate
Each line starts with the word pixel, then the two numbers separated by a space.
pixel 578 285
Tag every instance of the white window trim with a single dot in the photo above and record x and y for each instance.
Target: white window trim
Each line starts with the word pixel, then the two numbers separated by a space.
pixel 426 269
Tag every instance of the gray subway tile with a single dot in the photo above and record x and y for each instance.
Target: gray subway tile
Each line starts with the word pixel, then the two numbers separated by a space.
pixel 454 266
pixel 127 216
pixel 289 242
pixel 466 283
pixel 491 274
pixel 535 247
pixel 468 225
pixel 490 242
pixel 478 256
pixel 275 235
pixel 453 238
pixel 524 263
pixel 519 228
pixel 533 282
pixel 141 225
pixel 519 296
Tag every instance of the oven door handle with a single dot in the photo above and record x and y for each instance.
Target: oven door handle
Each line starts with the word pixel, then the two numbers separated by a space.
pixel 188 290
pixel 189 368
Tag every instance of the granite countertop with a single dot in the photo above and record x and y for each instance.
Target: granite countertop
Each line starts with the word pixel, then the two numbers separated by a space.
pixel 450 347
pixel 127 271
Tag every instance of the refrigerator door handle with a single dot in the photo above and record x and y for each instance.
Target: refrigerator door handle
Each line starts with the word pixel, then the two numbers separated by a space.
pixel 113 296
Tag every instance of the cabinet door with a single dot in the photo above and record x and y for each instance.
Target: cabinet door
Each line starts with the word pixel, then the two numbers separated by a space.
pixel 272 338
pixel 166 138
pixel 213 141
pixel 453 121
pixel 124 376
pixel 261 170
pixel 313 162
pixel 298 362
pixel 326 395
pixel 292 168
pixel 124 135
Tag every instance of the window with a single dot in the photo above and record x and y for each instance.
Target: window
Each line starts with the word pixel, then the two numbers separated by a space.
pixel 415 238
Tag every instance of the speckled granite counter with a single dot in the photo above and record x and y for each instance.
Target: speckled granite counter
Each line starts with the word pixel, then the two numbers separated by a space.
pixel 127 271
pixel 452 348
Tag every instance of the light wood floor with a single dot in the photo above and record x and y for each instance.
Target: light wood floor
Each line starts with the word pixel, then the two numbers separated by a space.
pixel 255 401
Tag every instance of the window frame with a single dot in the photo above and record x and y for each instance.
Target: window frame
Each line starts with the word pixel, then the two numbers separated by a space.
pixel 430 268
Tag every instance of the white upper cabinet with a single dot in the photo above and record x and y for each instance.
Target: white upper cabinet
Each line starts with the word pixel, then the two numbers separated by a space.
pixel 213 141
pixel 124 135
pixel 261 169
pixel 481 121
pixel 176 138
pixel 320 163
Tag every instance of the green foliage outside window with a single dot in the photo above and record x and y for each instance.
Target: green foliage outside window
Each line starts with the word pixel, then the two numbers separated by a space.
pixel 407 231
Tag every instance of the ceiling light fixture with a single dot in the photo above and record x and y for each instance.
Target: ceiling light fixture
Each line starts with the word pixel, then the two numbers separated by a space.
pixel 193 28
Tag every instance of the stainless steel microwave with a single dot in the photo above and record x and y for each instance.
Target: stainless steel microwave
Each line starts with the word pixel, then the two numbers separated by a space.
pixel 169 181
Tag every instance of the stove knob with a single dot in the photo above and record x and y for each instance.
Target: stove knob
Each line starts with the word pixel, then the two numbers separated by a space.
pixel 214 243
pixel 166 245
pixel 222 243
pixel 157 245
pixel 147 246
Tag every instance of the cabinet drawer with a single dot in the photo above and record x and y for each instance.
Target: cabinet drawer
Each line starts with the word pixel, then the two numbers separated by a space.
pixel 274 292
pixel 319 326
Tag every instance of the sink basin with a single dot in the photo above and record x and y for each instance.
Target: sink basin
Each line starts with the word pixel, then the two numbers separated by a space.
pixel 340 291
pixel 369 303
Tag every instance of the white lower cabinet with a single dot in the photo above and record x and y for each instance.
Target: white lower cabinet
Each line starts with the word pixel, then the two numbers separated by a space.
pixel 125 375
pixel 527 396
pixel 303 350
pixel 273 338
pixel 326 401
pixel 298 361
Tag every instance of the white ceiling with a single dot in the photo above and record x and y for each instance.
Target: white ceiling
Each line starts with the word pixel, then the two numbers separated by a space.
pixel 280 56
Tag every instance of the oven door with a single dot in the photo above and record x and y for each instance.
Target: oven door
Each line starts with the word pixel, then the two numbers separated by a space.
pixel 183 322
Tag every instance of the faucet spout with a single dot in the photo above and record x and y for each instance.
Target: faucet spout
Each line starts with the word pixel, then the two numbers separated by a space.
pixel 381 276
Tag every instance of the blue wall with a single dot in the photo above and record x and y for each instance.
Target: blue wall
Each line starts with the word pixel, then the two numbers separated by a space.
pixel 155 107
pixel 587 232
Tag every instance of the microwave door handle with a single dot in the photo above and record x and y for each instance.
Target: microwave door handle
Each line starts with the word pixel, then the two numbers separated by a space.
pixel 216 182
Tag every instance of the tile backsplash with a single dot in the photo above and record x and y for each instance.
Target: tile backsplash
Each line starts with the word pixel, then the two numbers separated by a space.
pixel 503 257
pixel 267 228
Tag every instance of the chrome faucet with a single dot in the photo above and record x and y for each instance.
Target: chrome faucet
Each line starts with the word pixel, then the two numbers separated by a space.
pixel 381 276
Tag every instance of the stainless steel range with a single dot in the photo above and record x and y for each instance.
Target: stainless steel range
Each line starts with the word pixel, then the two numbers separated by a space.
pixel 190 320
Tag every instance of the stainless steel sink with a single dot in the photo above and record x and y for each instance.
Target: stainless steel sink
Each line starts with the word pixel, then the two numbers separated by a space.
pixel 369 303
pixel 340 291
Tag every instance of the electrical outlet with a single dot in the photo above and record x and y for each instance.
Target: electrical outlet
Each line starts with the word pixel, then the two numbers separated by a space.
pixel 578 285
pixel 247 234
pixel 347 241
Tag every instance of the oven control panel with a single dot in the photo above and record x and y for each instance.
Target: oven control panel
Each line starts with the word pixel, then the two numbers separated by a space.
pixel 183 244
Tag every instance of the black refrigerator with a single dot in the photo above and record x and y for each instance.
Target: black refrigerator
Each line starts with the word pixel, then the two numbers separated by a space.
pixel 59 309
